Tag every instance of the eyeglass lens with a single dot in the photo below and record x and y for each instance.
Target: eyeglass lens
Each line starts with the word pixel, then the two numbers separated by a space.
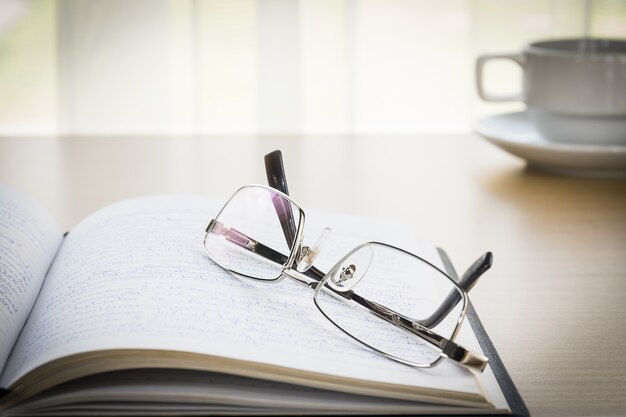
pixel 376 286
pixel 247 237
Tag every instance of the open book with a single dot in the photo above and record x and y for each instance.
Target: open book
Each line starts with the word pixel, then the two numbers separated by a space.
pixel 127 315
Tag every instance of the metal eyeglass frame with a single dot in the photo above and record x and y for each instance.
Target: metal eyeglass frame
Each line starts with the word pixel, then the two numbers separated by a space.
pixel 312 276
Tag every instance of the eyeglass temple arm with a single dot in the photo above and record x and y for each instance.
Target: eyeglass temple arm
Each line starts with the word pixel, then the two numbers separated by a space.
pixel 449 348
pixel 246 242
pixel 277 179
pixel 467 282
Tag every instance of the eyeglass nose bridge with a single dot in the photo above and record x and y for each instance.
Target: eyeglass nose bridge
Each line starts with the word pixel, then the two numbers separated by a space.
pixel 307 255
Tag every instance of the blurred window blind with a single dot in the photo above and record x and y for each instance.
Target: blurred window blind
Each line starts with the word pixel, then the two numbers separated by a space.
pixel 268 66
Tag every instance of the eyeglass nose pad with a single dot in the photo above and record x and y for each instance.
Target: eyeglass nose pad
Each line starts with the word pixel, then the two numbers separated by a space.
pixel 351 270
pixel 308 254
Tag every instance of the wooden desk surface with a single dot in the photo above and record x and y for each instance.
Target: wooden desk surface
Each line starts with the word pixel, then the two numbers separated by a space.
pixel 554 303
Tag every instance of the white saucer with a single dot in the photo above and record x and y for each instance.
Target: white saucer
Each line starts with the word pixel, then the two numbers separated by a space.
pixel 514 133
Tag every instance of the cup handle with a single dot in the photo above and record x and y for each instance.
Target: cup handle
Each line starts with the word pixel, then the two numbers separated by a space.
pixel 480 63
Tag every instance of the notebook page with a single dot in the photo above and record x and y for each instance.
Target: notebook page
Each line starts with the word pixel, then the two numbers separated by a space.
pixel 134 275
pixel 29 238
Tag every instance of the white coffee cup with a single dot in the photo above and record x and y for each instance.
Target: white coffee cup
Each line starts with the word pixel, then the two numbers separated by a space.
pixel 575 89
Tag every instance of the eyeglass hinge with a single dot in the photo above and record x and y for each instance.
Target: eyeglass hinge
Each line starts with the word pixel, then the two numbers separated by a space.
pixel 210 226
pixel 231 235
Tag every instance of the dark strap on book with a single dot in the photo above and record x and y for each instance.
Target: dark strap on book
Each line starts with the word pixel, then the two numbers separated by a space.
pixel 512 395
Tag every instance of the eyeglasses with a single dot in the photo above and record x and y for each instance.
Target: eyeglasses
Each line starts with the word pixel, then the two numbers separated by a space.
pixel 394 302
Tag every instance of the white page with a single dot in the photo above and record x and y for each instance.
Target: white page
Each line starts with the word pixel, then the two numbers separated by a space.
pixel 29 238
pixel 134 275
